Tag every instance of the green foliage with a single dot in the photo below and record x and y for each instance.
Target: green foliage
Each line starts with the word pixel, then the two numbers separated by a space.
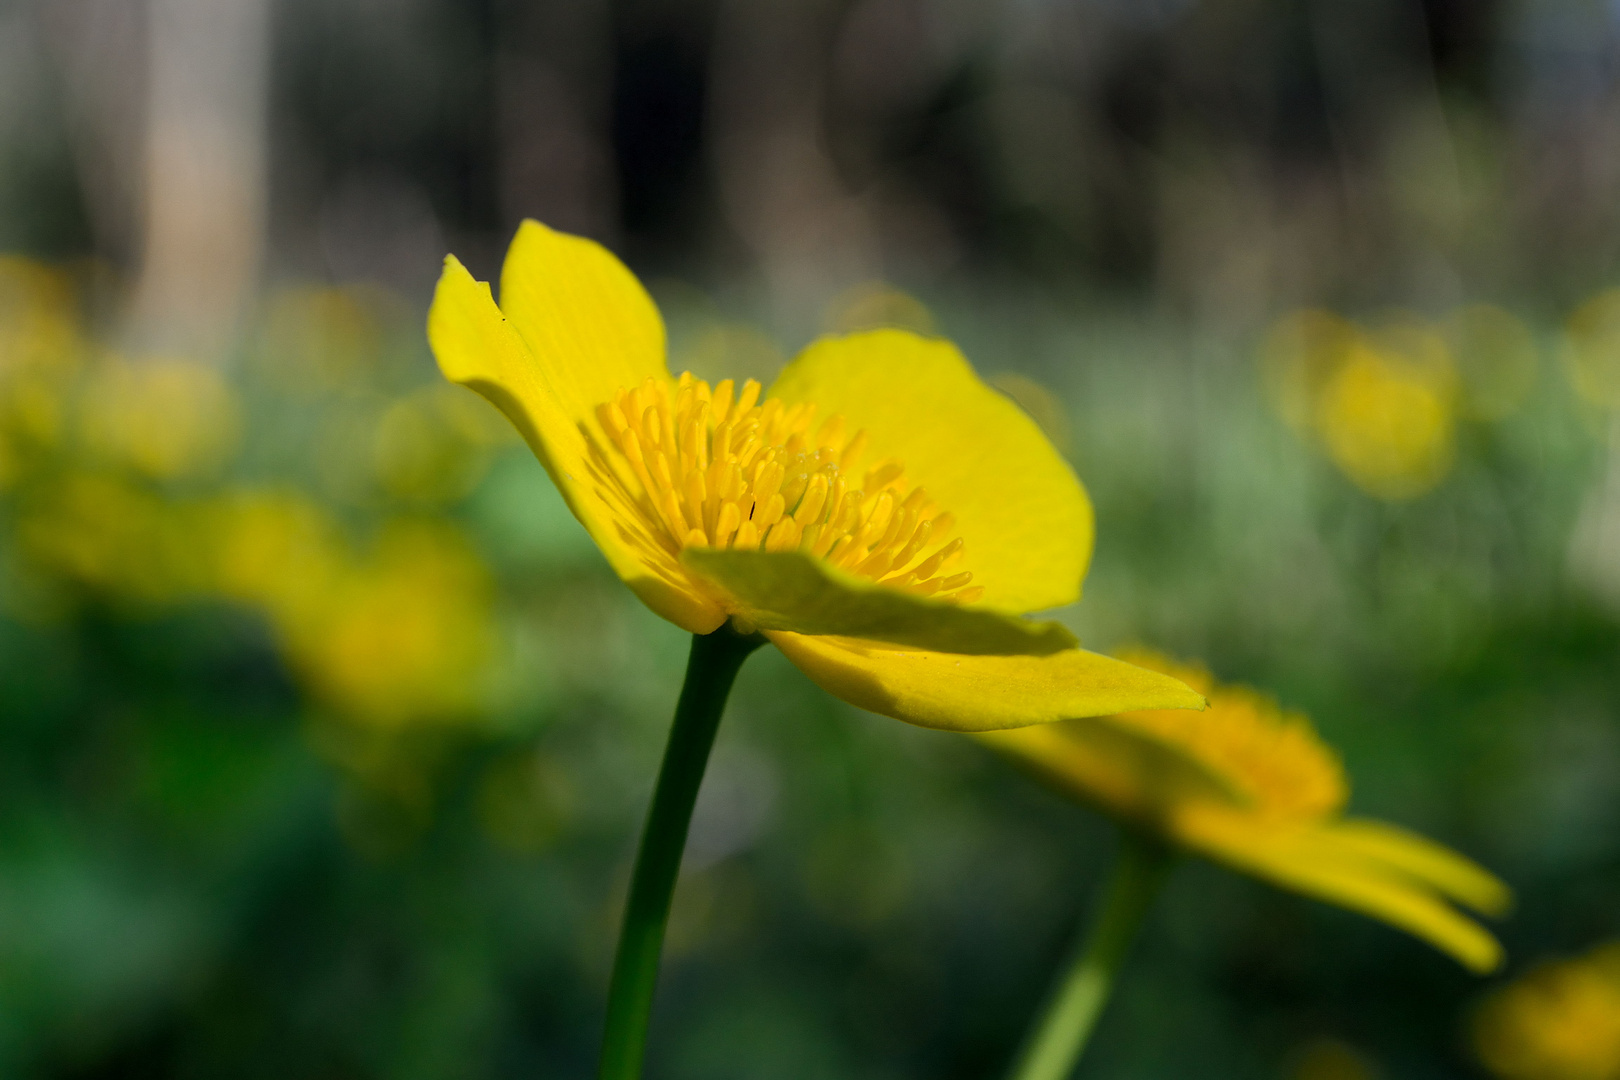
pixel 225 850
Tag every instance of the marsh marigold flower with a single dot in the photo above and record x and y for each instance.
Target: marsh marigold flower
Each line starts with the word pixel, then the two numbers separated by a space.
pixel 879 513
pixel 110 537
pixel 166 419
pixel 1389 423
pixel 397 634
pixel 1382 404
pixel 1559 1022
pixel 405 635
pixel 1251 786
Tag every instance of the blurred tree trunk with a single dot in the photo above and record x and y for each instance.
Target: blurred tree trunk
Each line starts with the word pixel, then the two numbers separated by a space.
pixel 204 204
pixel 781 191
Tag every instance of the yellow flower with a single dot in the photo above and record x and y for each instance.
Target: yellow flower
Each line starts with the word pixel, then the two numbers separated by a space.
pixel 1248 785
pixel 165 418
pixel 1384 404
pixel 1560 1022
pixel 275 550
pixel 405 635
pixel 399 635
pixel 879 514
pixel 111 537
pixel 1389 422
pixel 1299 356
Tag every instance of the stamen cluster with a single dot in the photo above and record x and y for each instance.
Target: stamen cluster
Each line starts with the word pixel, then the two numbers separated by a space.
pixel 720 469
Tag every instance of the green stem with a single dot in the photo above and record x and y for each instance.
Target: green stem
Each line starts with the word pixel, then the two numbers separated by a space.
pixel 1055 1044
pixel 710 670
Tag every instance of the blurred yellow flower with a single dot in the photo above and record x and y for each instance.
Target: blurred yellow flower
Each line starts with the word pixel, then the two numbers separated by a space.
pixel 1592 349
pixel 841 537
pixel 276 550
pixel 30 424
pixel 1559 1022
pixel 1389 423
pixel 165 418
pixel 401 634
pixel 1298 357
pixel 1251 786
pixel 1383 404
pixel 112 537
pixel 404 635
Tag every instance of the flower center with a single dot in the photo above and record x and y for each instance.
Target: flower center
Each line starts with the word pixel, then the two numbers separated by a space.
pixel 720 469
pixel 1273 758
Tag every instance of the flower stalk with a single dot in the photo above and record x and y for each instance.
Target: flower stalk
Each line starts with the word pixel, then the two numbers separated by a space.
pixel 1055 1044
pixel 711 668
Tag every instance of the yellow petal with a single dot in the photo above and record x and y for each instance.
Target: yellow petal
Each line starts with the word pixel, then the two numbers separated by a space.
pixel 1119 769
pixel 540 393
pixel 978 693
pixel 1304 859
pixel 789 590
pixel 591 327
pixel 1426 862
pixel 1019 507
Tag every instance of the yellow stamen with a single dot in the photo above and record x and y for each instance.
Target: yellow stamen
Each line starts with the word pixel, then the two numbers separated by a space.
pixel 721 468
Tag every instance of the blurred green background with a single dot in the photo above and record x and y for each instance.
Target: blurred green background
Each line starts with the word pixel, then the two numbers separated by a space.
pixel 325 733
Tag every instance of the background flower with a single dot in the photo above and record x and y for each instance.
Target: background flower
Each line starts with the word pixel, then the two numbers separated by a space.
pixel 1561 1021
pixel 1254 787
